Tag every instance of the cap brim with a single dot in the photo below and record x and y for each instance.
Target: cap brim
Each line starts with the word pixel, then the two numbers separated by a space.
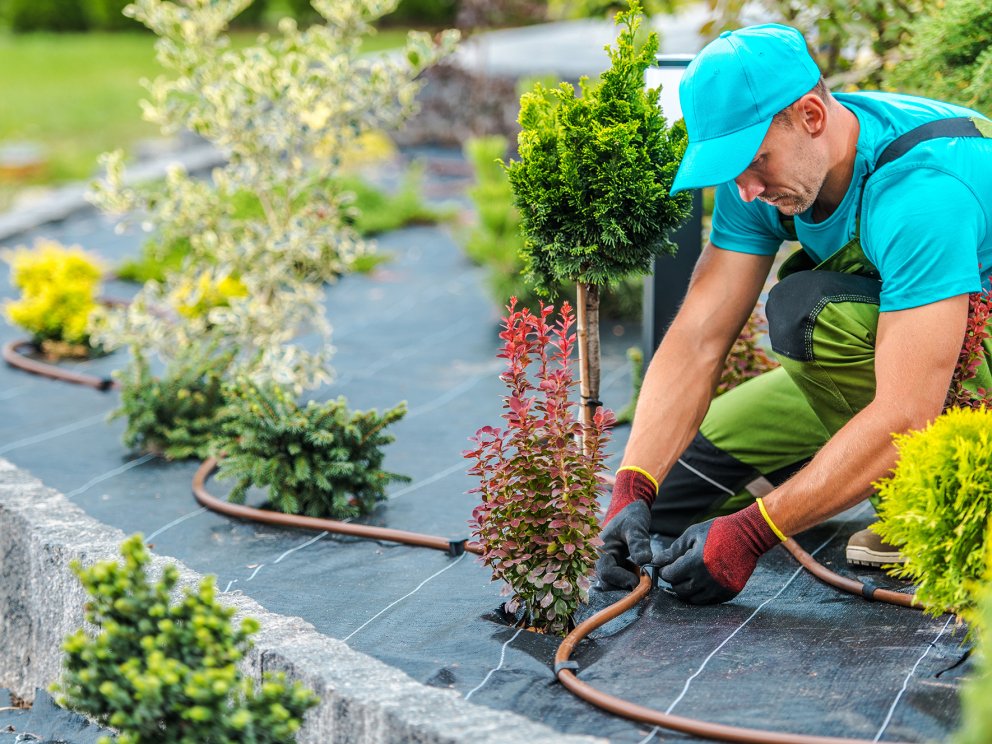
pixel 715 161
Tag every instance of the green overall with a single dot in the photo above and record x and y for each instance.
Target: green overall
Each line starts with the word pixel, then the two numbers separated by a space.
pixel 822 326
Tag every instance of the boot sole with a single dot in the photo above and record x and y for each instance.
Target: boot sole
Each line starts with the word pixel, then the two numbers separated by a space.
pixel 859 556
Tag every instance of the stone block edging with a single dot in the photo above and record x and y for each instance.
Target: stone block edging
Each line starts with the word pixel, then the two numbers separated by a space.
pixel 362 699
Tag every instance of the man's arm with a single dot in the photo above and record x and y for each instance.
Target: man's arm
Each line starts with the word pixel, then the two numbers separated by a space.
pixel 686 368
pixel 916 352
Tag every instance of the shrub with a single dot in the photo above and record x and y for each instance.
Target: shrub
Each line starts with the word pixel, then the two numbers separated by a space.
pixel 175 415
pixel 285 109
pixel 538 521
pixel 965 389
pixel 58 291
pixel 947 54
pixel 158 670
pixel 109 15
pixel 976 697
pixel 46 15
pixel 936 507
pixel 747 358
pixel 322 460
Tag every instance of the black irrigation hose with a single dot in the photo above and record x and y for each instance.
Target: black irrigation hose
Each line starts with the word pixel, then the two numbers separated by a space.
pixel 564 667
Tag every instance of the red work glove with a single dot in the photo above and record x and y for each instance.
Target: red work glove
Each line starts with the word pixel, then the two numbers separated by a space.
pixel 625 535
pixel 711 562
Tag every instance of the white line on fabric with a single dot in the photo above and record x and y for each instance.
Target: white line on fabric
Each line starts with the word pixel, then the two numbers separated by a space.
pixel 905 682
pixel 300 547
pixel 450 394
pixel 650 736
pixel 110 474
pixel 174 522
pixel 430 479
pixel 706 478
pixel 81 424
pixel 230 583
pixel 393 604
pixel 13 392
pixel 502 658
pixel 754 614
pixel 258 568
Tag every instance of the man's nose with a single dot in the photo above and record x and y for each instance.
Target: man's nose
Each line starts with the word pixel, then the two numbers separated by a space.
pixel 749 186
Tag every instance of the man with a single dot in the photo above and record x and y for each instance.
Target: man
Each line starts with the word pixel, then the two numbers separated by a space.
pixel 867 322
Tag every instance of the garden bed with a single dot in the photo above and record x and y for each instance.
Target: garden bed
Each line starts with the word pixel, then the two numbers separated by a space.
pixel 788 654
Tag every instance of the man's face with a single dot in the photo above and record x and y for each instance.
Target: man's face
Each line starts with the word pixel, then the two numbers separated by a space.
pixel 787 172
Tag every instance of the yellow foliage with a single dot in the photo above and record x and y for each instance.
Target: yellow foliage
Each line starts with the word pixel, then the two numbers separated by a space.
pixel 58 290
pixel 195 298
pixel 369 149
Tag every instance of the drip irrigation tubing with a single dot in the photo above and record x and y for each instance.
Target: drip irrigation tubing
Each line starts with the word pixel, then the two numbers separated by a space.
pixel 564 666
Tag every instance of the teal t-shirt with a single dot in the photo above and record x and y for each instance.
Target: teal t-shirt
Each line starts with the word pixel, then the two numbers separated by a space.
pixel 926 220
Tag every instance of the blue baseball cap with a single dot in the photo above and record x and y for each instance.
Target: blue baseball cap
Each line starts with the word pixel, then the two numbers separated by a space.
pixel 729 94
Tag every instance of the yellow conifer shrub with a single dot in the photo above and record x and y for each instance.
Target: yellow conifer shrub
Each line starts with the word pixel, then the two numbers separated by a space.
pixel 59 287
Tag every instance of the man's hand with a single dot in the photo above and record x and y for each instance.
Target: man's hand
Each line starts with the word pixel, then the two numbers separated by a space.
pixel 711 562
pixel 625 535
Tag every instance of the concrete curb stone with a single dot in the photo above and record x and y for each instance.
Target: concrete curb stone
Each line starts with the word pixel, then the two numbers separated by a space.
pixel 362 699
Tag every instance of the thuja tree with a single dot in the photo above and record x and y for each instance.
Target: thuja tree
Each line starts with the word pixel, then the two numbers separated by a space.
pixel 538 521
pixel 592 185
pixel 321 460
pixel 285 110
pixel 947 54
pixel 936 505
pixel 166 670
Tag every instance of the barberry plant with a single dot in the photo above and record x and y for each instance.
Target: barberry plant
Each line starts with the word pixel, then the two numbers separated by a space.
pixel 747 358
pixel 322 460
pixel 592 184
pixel 175 414
pixel 59 287
pixel 936 507
pixel 538 521
pixel 160 670
pixel 972 370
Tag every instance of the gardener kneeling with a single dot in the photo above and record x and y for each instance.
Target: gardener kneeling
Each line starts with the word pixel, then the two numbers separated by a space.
pixel 891 199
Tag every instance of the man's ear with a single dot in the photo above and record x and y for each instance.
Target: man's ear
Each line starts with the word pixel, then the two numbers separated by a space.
pixel 811 114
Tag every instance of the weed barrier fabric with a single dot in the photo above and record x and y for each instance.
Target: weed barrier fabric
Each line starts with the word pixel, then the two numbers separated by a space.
pixel 788 654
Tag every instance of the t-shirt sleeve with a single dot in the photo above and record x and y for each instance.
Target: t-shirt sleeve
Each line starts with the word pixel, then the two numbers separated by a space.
pixel 744 227
pixel 921 228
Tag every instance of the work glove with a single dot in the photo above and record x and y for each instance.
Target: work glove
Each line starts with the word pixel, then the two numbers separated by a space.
pixel 711 562
pixel 625 533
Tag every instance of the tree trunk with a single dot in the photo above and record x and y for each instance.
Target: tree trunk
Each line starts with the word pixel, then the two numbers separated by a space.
pixel 587 319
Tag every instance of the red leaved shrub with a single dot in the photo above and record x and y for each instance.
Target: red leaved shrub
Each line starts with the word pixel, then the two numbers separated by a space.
pixel 538 521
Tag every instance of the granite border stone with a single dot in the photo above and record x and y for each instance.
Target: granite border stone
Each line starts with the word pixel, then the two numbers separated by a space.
pixel 362 699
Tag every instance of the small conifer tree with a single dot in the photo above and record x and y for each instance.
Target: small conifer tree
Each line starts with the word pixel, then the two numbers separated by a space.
pixel 592 185
pixel 321 460
pixel 158 670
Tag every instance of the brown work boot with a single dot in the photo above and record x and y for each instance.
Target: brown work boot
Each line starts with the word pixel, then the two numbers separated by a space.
pixel 865 548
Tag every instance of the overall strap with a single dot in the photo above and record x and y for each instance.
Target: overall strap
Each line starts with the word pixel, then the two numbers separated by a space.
pixel 957 127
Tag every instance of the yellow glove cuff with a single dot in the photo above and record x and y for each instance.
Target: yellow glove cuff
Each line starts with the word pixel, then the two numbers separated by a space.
pixel 768 519
pixel 647 475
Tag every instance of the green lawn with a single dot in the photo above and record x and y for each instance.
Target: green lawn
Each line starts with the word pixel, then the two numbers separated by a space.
pixel 77 94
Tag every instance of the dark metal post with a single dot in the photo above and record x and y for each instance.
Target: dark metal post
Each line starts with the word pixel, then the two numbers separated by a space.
pixel 665 288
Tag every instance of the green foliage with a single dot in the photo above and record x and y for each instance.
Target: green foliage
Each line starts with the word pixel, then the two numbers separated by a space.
pixel 594 173
pixel 496 242
pixel 163 671
pixel 423 13
pixel 46 15
pixel 600 8
pixel 853 43
pixel 108 15
pixel 322 460
pixel 58 291
pixel 538 521
pixel 976 697
pixel 636 358
pixel 936 507
pixel 947 55
pixel 369 210
pixel 177 414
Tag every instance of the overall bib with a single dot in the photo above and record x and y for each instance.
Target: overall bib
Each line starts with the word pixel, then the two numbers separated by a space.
pixel 822 321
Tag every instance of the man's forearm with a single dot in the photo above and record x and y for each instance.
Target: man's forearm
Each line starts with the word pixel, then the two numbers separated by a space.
pixel 842 472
